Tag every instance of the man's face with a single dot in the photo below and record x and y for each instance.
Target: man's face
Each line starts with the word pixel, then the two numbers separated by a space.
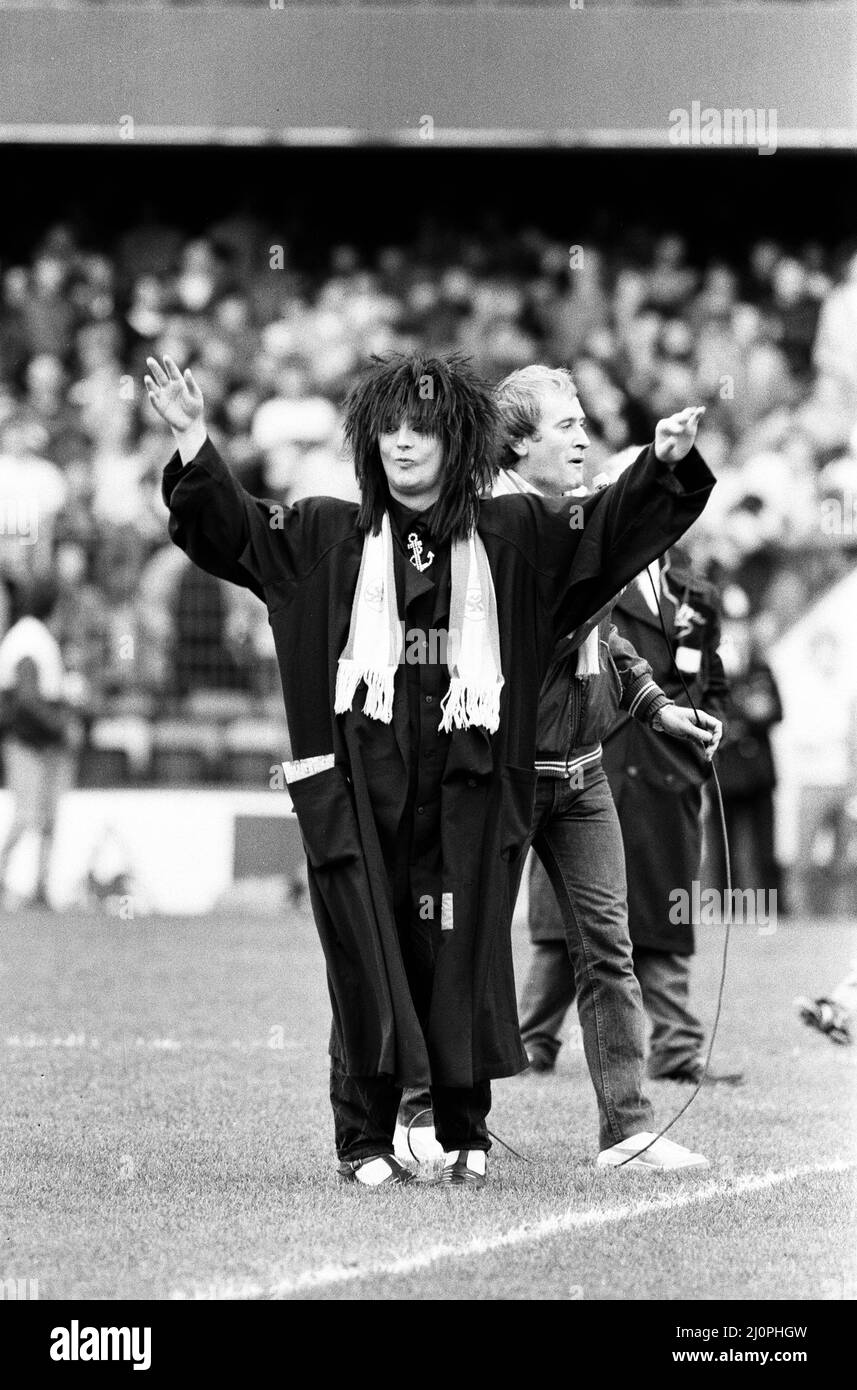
pixel 413 464
pixel 552 461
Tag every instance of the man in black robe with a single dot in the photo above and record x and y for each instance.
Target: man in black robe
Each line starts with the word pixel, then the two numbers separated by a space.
pixel 414 806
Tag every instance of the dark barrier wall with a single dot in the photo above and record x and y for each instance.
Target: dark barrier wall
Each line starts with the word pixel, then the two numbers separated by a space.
pixel 568 74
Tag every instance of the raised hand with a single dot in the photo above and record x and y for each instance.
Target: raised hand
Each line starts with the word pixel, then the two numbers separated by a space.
pixel 175 397
pixel 675 436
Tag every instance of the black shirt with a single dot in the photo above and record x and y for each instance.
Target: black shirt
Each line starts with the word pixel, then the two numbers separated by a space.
pixel 423 593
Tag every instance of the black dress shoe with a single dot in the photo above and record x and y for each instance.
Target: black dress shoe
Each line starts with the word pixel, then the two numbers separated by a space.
pixel 691 1073
pixel 541 1061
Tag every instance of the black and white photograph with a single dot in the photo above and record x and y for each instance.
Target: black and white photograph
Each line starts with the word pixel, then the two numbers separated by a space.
pixel 428 669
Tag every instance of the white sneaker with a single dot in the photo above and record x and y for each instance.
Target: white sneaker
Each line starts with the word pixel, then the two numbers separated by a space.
pixel 663 1156
pixel 423 1142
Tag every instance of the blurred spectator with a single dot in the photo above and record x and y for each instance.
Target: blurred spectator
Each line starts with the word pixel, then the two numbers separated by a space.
pixel 32 491
pixel 824 767
pixel 203 655
pixel 745 762
pixel 38 728
pixel 766 340
pixel 835 355
pixel 78 620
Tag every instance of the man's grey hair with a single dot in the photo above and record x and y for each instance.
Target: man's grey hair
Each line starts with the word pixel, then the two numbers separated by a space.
pixel 519 396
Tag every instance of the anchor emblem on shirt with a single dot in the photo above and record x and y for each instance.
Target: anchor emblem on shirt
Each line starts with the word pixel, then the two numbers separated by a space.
pixel 415 546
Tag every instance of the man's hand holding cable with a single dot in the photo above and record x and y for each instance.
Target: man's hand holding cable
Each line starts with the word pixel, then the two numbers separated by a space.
pixel 679 722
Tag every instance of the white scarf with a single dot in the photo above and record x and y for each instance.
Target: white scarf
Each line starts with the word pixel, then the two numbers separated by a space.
pixel 376 637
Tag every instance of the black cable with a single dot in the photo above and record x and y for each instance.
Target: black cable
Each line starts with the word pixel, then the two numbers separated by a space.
pixel 522 1157
pixel 428 1111
pixel 418 1116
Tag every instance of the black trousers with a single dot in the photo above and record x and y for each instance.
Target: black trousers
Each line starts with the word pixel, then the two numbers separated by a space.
pixel 365 1107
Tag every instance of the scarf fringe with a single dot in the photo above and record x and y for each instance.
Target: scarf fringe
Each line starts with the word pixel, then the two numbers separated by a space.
pixel 462 706
pixel 380 686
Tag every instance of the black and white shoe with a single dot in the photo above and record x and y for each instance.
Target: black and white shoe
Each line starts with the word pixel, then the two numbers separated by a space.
pixel 465 1166
pixel 377 1170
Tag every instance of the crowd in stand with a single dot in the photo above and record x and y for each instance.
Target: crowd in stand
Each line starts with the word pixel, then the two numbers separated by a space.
pixel 768 345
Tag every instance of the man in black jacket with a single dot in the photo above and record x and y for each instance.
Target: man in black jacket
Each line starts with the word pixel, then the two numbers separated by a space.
pixel 413 787
pixel 657 786
pixel 576 831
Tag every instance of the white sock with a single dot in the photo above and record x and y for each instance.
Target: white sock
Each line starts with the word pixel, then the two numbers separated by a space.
pixel 475 1160
pixel 373 1172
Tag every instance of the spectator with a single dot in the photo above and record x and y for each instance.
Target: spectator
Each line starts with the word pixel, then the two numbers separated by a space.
pixel 765 338
pixel 39 732
pixel 746 763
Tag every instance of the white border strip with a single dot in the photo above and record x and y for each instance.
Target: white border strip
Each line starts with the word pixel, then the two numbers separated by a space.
pixel 657 137
pixel 329 1276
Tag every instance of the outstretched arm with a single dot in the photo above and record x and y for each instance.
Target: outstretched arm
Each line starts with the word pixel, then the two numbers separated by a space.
pixel 213 518
pixel 595 546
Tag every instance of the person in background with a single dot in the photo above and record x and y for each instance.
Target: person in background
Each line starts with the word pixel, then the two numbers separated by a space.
pixel 746 762
pixel 657 786
pixel 39 732
pixel 822 752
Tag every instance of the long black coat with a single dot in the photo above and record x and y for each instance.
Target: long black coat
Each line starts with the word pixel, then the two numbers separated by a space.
pixel 656 781
pixel 549 576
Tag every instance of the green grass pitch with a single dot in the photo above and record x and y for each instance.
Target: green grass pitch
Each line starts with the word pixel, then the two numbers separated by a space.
pixel 166 1134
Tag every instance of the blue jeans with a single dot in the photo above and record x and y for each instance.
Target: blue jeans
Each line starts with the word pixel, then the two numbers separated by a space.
pixel 576 835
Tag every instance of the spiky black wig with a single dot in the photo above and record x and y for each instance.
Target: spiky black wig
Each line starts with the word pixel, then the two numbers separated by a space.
pixel 440 396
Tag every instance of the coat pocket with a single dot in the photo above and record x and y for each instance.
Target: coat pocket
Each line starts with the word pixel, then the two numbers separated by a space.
pixel 326 816
pixel 518 795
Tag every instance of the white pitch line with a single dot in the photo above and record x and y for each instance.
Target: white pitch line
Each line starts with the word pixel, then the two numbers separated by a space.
pixel 328 1276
